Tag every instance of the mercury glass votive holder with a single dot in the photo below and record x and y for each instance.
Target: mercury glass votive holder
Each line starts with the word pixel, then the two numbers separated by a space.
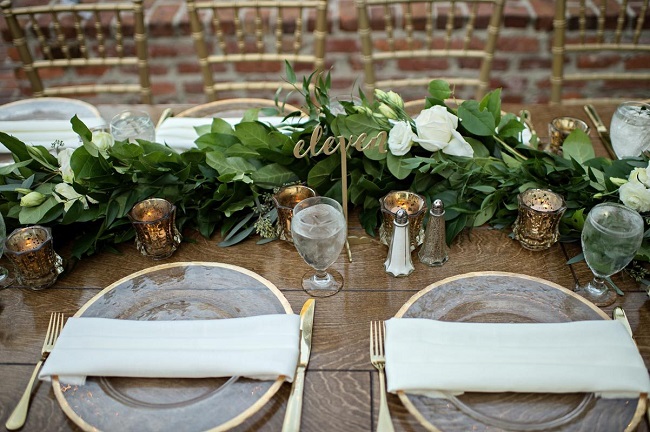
pixel 285 200
pixel 154 221
pixel 559 129
pixel 31 252
pixel 415 206
pixel 538 219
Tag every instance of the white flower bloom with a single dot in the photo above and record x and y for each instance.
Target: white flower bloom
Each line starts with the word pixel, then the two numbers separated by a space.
pixel 32 199
pixel 640 174
pixel 436 130
pixel 66 194
pixel 400 138
pixel 103 141
pixel 634 194
pixel 64 163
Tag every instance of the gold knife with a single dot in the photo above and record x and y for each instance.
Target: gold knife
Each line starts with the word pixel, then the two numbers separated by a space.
pixel 619 315
pixel 601 129
pixel 294 406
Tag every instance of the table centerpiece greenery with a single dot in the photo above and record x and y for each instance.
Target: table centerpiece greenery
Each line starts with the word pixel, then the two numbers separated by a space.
pixel 469 154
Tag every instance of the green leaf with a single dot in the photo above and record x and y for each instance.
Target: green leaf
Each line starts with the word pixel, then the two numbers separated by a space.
pixel 492 102
pixel 578 146
pixel 252 134
pixel 439 89
pixel 323 171
pixel 273 175
pixel 398 167
pixel 475 121
pixel 49 210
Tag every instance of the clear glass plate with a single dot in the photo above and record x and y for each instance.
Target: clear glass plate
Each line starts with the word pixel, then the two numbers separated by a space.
pixel 47 108
pixel 178 291
pixel 494 297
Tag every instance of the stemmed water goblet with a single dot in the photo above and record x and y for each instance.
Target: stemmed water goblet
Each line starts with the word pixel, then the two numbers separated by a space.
pixel 319 231
pixel 132 125
pixel 611 236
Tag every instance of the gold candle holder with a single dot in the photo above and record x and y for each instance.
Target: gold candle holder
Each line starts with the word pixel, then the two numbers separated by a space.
pixel 415 206
pixel 559 128
pixel 285 200
pixel 154 220
pixel 538 220
pixel 31 252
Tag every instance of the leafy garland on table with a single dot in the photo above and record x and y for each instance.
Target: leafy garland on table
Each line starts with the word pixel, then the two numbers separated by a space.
pixel 471 157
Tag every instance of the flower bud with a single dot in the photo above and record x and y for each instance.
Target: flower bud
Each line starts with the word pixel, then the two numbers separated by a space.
pixel 32 199
pixel 381 95
pixel 617 181
pixel 362 109
pixel 387 111
pixel 103 141
pixel 395 99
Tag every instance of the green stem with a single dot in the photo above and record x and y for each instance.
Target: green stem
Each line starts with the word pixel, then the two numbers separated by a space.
pixel 509 149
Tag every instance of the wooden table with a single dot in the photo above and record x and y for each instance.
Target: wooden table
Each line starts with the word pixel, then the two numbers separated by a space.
pixel 342 390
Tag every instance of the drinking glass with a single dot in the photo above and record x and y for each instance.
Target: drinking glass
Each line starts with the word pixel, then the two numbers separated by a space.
pixel 611 236
pixel 4 273
pixel 319 231
pixel 630 129
pixel 133 125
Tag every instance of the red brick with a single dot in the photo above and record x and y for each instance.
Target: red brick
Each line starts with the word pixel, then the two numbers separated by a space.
pixel 638 62
pixel 163 88
pixel 345 45
pixel 96 71
pixel 259 67
pixel 526 44
pixel 188 68
pixel 597 60
pixel 423 64
pixel 162 50
pixel 535 63
pixel 160 20
pixel 347 15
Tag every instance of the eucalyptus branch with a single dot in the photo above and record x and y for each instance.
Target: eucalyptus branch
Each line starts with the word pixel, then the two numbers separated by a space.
pixel 509 149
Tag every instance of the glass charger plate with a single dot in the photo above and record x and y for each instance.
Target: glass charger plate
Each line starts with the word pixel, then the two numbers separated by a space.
pixel 178 291
pixel 47 108
pixel 495 297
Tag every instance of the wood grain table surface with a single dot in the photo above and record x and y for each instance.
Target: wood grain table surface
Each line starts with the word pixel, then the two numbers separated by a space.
pixel 342 391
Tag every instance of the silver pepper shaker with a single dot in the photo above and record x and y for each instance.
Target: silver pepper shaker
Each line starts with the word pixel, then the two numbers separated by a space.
pixel 434 250
pixel 398 263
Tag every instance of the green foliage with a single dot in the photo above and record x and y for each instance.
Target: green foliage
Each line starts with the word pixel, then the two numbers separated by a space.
pixel 226 182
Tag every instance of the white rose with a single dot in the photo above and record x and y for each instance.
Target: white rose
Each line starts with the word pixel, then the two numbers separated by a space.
pixel 64 163
pixel 635 195
pixel 640 174
pixel 400 138
pixel 66 194
pixel 103 141
pixel 436 130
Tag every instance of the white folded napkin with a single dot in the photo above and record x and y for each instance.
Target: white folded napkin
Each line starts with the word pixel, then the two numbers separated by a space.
pixel 179 132
pixel 45 132
pixel 261 347
pixel 429 357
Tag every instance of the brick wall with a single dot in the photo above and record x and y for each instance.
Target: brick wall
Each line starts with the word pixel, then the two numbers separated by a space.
pixel 521 67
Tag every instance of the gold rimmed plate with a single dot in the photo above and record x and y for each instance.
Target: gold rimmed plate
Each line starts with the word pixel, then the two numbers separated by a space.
pixel 177 291
pixel 496 297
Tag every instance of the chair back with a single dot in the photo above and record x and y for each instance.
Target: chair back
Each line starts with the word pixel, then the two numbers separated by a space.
pixel 236 108
pixel 94 39
pixel 407 43
pixel 606 32
pixel 253 39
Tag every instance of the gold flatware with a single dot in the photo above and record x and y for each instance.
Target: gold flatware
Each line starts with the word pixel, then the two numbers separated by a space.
pixel 619 315
pixel 294 406
pixel 17 418
pixel 378 360
pixel 601 129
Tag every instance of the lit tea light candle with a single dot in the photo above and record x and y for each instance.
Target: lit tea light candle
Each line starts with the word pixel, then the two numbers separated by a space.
pixel 32 255
pixel 154 221
pixel 415 206
pixel 284 201
pixel 538 219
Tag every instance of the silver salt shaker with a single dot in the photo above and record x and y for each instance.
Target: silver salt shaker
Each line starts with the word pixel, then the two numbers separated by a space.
pixel 398 263
pixel 434 250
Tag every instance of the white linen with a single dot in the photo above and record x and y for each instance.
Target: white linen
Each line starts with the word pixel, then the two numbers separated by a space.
pixel 428 357
pixel 45 132
pixel 179 132
pixel 261 347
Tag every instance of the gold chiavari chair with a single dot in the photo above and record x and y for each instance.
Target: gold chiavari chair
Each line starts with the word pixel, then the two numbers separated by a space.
pixel 403 41
pixel 603 29
pixel 52 39
pixel 253 38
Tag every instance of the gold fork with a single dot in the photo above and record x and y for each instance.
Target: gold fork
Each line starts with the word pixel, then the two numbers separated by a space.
pixel 378 360
pixel 17 418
